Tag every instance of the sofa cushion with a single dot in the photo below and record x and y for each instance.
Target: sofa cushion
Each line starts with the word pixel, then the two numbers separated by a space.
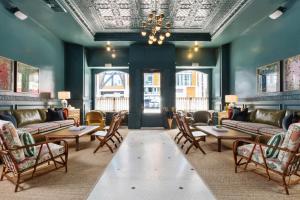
pixel 31 130
pixel 271 117
pixel 291 142
pixel 270 131
pixel 10 139
pixel 25 117
pixel 64 123
pixel 230 123
pixel 27 139
pixel 43 113
pixel 44 127
pixel 44 156
pixel 252 127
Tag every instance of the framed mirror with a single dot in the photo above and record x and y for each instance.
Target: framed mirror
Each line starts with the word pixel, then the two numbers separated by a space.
pixel 268 78
pixel 27 78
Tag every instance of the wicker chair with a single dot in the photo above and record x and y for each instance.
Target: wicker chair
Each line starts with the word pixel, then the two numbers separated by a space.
pixel 17 166
pixel 286 164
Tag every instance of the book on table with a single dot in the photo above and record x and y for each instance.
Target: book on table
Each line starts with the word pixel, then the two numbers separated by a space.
pixel 75 128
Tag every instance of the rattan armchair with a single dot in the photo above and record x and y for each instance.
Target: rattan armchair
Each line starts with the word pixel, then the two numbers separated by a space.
pixel 18 171
pixel 287 165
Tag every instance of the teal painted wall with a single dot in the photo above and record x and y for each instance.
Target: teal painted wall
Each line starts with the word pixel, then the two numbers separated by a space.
pixel 33 44
pixel 265 42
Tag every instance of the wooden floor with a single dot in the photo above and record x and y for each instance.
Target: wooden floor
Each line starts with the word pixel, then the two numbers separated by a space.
pixel 149 165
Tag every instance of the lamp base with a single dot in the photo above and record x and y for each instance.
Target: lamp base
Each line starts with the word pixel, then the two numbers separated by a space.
pixel 64 103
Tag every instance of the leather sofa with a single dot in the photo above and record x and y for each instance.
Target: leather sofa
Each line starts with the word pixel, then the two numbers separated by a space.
pixel 260 122
pixel 35 121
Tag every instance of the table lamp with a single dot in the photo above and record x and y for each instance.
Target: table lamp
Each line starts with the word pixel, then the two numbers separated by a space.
pixel 230 101
pixel 64 95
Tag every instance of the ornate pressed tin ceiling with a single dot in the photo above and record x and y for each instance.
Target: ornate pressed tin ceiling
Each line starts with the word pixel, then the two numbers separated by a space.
pixel 202 16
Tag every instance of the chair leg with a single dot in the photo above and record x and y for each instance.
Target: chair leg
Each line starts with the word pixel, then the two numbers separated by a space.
pixel 199 147
pixel 184 143
pixel 177 135
pixel 111 150
pixel 235 162
pixel 3 172
pixel 117 132
pixel 179 139
pixel 113 142
pixel 117 138
pixel 18 182
pixel 188 149
pixel 99 146
pixel 285 185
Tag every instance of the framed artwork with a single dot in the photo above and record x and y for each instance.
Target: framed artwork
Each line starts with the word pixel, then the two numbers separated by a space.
pixel 6 74
pixel 268 78
pixel 291 73
pixel 27 78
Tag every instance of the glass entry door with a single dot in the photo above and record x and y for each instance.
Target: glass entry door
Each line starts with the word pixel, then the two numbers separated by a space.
pixel 152 116
pixel 152 97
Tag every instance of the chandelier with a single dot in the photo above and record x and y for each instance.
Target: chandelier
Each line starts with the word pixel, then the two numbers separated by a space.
pixel 155 28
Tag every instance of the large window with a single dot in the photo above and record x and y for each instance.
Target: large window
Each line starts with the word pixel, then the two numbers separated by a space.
pixel 152 92
pixel 191 91
pixel 112 91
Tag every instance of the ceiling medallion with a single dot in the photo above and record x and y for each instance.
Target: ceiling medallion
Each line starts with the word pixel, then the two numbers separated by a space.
pixel 153 28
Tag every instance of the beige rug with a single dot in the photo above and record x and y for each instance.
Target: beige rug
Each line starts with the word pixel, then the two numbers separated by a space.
pixel 85 168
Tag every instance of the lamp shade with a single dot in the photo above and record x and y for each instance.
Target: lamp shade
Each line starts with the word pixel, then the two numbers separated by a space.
pixel 231 98
pixel 64 95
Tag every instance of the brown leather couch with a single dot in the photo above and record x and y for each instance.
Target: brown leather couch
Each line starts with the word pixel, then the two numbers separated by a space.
pixel 35 121
pixel 260 122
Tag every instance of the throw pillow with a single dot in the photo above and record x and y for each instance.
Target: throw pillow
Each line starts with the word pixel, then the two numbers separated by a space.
pixel 239 115
pixel 27 139
pixel 9 117
pixel 291 142
pixel 235 112
pixel 276 141
pixel 287 121
pixel 53 115
pixel 11 140
pixel 63 111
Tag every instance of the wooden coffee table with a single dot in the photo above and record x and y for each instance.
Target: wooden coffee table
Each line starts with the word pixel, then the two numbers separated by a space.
pixel 230 134
pixel 68 134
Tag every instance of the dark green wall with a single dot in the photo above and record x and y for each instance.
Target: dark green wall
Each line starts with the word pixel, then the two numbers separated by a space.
pixel 78 77
pixel 32 44
pixel 204 57
pixel 265 42
pixel 99 57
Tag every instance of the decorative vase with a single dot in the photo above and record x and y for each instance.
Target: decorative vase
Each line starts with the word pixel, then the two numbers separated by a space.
pixel 170 120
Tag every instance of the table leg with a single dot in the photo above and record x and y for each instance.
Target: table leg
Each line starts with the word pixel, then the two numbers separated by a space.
pixel 93 137
pixel 219 145
pixel 77 143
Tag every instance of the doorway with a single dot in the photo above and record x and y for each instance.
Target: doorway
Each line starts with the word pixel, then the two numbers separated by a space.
pixel 151 108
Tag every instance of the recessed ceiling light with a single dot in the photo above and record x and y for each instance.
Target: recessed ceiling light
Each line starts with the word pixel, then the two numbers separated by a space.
pixel 277 13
